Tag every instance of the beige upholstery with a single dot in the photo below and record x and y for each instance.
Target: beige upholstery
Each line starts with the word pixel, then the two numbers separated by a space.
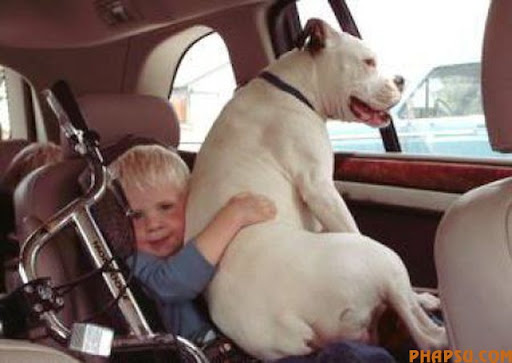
pixel 48 189
pixel 9 148
pixel 37 198
pixel 473 248
pixel 114 116
pixel 60 187
pixel 474 264
pixel 496 75
pixel 25 352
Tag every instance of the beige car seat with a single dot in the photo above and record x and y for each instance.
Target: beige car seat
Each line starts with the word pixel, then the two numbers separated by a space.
pixel 21 351
pixel 473 248
pixel 44 192
pixel 9 148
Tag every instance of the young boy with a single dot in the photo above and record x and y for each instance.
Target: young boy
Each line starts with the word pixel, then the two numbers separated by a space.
pixel 155 180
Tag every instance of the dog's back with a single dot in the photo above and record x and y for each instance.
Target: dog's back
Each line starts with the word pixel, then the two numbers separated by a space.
pixel 242 153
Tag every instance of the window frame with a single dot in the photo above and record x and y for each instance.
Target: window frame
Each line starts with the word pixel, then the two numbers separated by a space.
pixel 182 56
pixel 23 107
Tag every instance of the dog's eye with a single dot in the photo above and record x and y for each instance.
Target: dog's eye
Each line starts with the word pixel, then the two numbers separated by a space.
pixel 370 62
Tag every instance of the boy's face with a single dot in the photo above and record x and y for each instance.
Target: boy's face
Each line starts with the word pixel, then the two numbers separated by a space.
pixel 158 217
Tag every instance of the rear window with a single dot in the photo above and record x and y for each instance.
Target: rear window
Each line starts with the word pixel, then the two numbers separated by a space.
pixel 5 123
pixel 204 83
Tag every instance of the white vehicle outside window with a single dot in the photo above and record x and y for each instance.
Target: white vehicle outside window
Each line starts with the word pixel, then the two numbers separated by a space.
pixel 443 114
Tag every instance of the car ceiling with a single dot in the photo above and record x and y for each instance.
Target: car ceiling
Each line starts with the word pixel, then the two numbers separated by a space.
pixel 58 24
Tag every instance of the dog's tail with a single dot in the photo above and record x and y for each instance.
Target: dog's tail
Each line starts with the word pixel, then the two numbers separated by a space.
pixel 401 298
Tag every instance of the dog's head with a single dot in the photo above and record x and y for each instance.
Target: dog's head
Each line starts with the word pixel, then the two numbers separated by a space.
pixel 352 88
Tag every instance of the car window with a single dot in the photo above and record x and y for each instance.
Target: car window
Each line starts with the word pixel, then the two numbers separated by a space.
pixel 344 136
pixel 441 109
pixel 203 84
pixel 5 123
pixel 446 91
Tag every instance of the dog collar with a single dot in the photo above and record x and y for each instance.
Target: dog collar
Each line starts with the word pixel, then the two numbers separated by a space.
pixel 283 86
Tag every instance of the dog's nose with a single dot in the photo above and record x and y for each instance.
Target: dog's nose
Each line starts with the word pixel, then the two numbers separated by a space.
pixel 399 81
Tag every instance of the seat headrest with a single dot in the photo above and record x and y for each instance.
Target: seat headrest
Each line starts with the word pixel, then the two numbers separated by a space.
pixel 114 116
pixel 497 75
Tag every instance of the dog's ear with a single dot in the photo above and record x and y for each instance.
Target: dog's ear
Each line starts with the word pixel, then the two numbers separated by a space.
pixel 313 36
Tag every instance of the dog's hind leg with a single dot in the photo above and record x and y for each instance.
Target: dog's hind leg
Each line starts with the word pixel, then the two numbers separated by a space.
pixel 423 330
pixel 428 301
pixel 400 296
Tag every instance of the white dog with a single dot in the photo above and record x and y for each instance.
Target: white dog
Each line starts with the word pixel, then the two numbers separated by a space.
pixel 308 277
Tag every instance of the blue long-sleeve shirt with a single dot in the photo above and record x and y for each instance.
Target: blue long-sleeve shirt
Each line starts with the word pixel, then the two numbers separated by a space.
pixel 174 282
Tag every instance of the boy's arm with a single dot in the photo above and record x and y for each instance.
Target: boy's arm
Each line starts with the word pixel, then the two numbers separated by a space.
pixel 180 277
pixel 184 275
pixel 241 210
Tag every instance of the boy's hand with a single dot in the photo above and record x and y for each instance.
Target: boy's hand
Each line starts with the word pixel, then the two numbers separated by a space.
pixel 241 210
pixel 249 208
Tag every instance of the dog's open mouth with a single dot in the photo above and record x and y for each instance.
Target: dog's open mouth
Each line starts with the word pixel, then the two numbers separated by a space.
pixel 368 114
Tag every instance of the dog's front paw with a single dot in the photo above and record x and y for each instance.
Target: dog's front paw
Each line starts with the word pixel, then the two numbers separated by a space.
pixel 428 301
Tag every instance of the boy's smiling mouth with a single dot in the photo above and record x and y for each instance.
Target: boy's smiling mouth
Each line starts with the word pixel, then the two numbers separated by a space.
pixel 158 242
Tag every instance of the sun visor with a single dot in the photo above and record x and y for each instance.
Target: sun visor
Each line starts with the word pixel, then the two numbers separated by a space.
pixel 497 75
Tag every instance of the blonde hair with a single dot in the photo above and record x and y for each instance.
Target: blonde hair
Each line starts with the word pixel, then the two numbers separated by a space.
pixel 149 166
pixel 28 159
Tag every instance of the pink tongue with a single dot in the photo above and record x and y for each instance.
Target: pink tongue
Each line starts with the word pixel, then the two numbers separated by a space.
pixel 367 114
pixel 374 119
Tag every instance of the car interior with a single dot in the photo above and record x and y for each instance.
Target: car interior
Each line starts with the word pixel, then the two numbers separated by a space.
pixel 135 70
